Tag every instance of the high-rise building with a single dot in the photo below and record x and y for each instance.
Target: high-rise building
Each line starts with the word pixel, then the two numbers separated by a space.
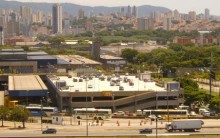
pixel 95 50
pixel 13 28
pixel 25 12
pixel 129 11
pixel 57 19
pixel 207 13
pixel 39 16
pixel 48 19
pixel 81 14
pixel 167 23
pixel 1 36
pixel 176 15
pixel 25 20
pixel 145 23
pixel 192 15
pixel 134 11
pixel 156 16
pixel 122 11
pixel 66 26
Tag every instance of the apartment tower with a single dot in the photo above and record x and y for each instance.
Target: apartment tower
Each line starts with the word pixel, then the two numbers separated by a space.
pixel 57 19
pixel 1 36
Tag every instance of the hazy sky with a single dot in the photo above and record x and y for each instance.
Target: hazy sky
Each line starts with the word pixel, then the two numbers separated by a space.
pixel 182 5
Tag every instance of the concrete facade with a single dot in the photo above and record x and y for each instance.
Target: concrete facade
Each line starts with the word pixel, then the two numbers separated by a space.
pixel 141 95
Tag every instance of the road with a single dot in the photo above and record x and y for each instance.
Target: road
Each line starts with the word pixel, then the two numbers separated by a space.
pixel 107 132
pixel 109 128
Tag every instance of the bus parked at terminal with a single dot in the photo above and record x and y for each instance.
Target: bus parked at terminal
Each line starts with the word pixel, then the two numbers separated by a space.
pixel 165 113
pixel 36 110
pixel 92 113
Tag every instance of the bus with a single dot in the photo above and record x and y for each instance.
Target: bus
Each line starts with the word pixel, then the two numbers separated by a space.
pixel 36 110
pixel 167 113
pixel 92 113
pixel 183 107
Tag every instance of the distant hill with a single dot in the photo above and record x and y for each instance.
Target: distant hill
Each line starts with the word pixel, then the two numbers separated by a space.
pixel 73 8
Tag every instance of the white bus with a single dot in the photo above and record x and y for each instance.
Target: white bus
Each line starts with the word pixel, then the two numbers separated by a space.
pixel 171 113
pixel 184 107
pixel 36 110
pixel 92 113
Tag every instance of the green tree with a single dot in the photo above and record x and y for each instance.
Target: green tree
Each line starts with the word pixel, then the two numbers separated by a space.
pixel 215 104
pixel 192 93
pixel 4 112
pixel 129 54
pixel 57 40
pixel 20 114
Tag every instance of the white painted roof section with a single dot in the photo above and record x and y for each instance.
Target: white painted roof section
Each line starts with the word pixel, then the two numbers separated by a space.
pixel 76 59
pixel 96 85
pixel 110 57
pixel 28 82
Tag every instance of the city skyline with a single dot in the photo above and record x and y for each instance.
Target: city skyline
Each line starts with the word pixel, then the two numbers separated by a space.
pixel 182 6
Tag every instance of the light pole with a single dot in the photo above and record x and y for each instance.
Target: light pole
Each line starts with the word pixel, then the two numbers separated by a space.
pixel 156 125
pixel 113 103
pixel 219 93
pixel 87 127
pixel 27 97
pixel 41 114
pixel 168 113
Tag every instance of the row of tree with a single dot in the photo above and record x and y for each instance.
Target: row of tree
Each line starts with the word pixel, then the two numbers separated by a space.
pixel 17 114
pixel 176 55
pixel 196 96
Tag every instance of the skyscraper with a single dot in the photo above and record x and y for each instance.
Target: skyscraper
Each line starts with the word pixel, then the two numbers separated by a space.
pixel 81 14
pixel 25 20
pixel 176 15
pixel 1 36
pixel 57 19
pixel 207 13
pixel 145 23
pixel 122 11
pixel 134 11
pixel 167 23
pixel 192 15
pixel 129 11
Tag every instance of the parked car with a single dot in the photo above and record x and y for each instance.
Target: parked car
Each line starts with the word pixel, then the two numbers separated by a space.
pixel 193 113
pixel 121 88
pixel 153 117
pixel 49 131
pixel 145 130
pixel 119 113
pixel 89 86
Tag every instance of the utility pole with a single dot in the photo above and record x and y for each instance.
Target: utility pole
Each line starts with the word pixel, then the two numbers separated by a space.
pixel 41 114
pixel 211 76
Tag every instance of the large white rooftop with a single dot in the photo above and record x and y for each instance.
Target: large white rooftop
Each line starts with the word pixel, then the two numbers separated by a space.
pixel 26 82
pixel 96 85
pixel 76 59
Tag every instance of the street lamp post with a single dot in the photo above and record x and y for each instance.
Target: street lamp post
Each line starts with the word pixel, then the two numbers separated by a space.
pixel 156 125
pixel 87 127
pixel 113 102
pixel 219 93
pixel 41 114
pixel 47 98
pixel 27 94
pixel 168 113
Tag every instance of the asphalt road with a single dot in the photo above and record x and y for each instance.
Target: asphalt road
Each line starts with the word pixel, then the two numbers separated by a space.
pixel 109 128
pixel 25 133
